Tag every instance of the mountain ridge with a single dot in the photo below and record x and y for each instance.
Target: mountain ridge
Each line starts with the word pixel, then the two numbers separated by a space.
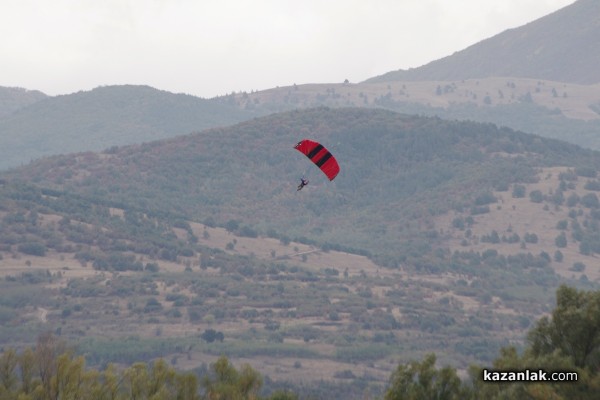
pixel 13 99
pixel 542 49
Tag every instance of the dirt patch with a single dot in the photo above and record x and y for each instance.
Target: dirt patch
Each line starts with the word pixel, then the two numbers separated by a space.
pixel 297 253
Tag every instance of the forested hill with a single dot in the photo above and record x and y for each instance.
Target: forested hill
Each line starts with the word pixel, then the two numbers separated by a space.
pixel 13 99
pixel 397 173
pixel 562 46
pixel 104 117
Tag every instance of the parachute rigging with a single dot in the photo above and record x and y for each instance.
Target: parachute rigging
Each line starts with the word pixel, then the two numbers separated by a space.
pixel 320 156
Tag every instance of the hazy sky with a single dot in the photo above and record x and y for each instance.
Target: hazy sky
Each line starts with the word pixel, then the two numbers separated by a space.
pixel 214 47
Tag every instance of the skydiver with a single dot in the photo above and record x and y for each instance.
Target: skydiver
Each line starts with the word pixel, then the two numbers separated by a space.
pixel 303 182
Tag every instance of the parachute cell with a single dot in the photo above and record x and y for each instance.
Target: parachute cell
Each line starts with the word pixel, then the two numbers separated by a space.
pixel 320 156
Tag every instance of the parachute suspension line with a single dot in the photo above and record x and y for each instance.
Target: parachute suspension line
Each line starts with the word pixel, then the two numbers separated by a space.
pixel 304 172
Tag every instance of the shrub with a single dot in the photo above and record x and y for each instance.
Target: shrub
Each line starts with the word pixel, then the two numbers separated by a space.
pixel 33 249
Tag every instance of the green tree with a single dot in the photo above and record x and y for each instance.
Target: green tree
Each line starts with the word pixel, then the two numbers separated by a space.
pixel 8 366
pixel 573 330
pixel 558 256
pixel 422 381
pixel 519 191
pixel 283 395
pixel 136 378
pixel 225 382
pixel 561 240
pixel 187 387
pixel 536 196
pixel 27 367
pixel 161 380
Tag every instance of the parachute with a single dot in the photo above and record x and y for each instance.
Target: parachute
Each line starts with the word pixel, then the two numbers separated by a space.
pixel 320 156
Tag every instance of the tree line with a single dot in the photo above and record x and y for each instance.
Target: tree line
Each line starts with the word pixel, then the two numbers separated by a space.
pixel 50 371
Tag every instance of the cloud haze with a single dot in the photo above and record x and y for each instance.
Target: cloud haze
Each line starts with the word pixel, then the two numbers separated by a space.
pixel 213 47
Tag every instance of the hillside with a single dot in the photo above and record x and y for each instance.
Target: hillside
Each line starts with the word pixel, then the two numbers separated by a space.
pixel 124 286
pixel 437 236
pixel 561 46
pixel 118 115
pixel 558 110
pixel 390 162
pixel 105 117
pixel 13 99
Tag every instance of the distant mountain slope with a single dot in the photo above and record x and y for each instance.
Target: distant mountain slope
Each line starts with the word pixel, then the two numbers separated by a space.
pixel 13 99
pixel 562 46
pixel 397 171
pixel 104 117
pixel 558 110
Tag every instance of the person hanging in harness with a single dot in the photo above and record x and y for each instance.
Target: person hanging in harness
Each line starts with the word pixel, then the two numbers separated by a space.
pixel 303 182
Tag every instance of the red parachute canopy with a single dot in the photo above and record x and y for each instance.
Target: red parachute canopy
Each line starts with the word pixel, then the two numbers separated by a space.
pixel 320 156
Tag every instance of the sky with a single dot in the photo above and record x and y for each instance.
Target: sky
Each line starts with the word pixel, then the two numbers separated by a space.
pixel 210 48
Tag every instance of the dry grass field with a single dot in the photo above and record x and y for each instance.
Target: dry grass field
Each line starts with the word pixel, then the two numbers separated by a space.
pixel 572 100
pixel 521 215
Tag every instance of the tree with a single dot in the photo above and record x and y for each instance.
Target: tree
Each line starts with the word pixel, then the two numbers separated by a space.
pixel 210 335
pixel 136 379
pixel 225 382
pixel 590 200
pixel 33 248
pixel 519 191
pixel 283 395
pixel 8 365
pixel 558 256
pixel 573 330
pixel 561 240
pixel 421 381
pixel 536 196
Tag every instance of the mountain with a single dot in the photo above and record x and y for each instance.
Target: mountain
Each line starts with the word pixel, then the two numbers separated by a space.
pixel 398 172
pixel 535 78
pixel 104 117
pixel 436 236
pixel 564 111
pixel 540 78
pixel 13 99
pixel 562 46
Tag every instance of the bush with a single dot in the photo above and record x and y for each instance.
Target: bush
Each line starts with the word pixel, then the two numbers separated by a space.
pixel 590 200
pixel 536 196
pixel 561 240
pixel 531 238
pixel 519 191
pixel 33 248
pixel 578 267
